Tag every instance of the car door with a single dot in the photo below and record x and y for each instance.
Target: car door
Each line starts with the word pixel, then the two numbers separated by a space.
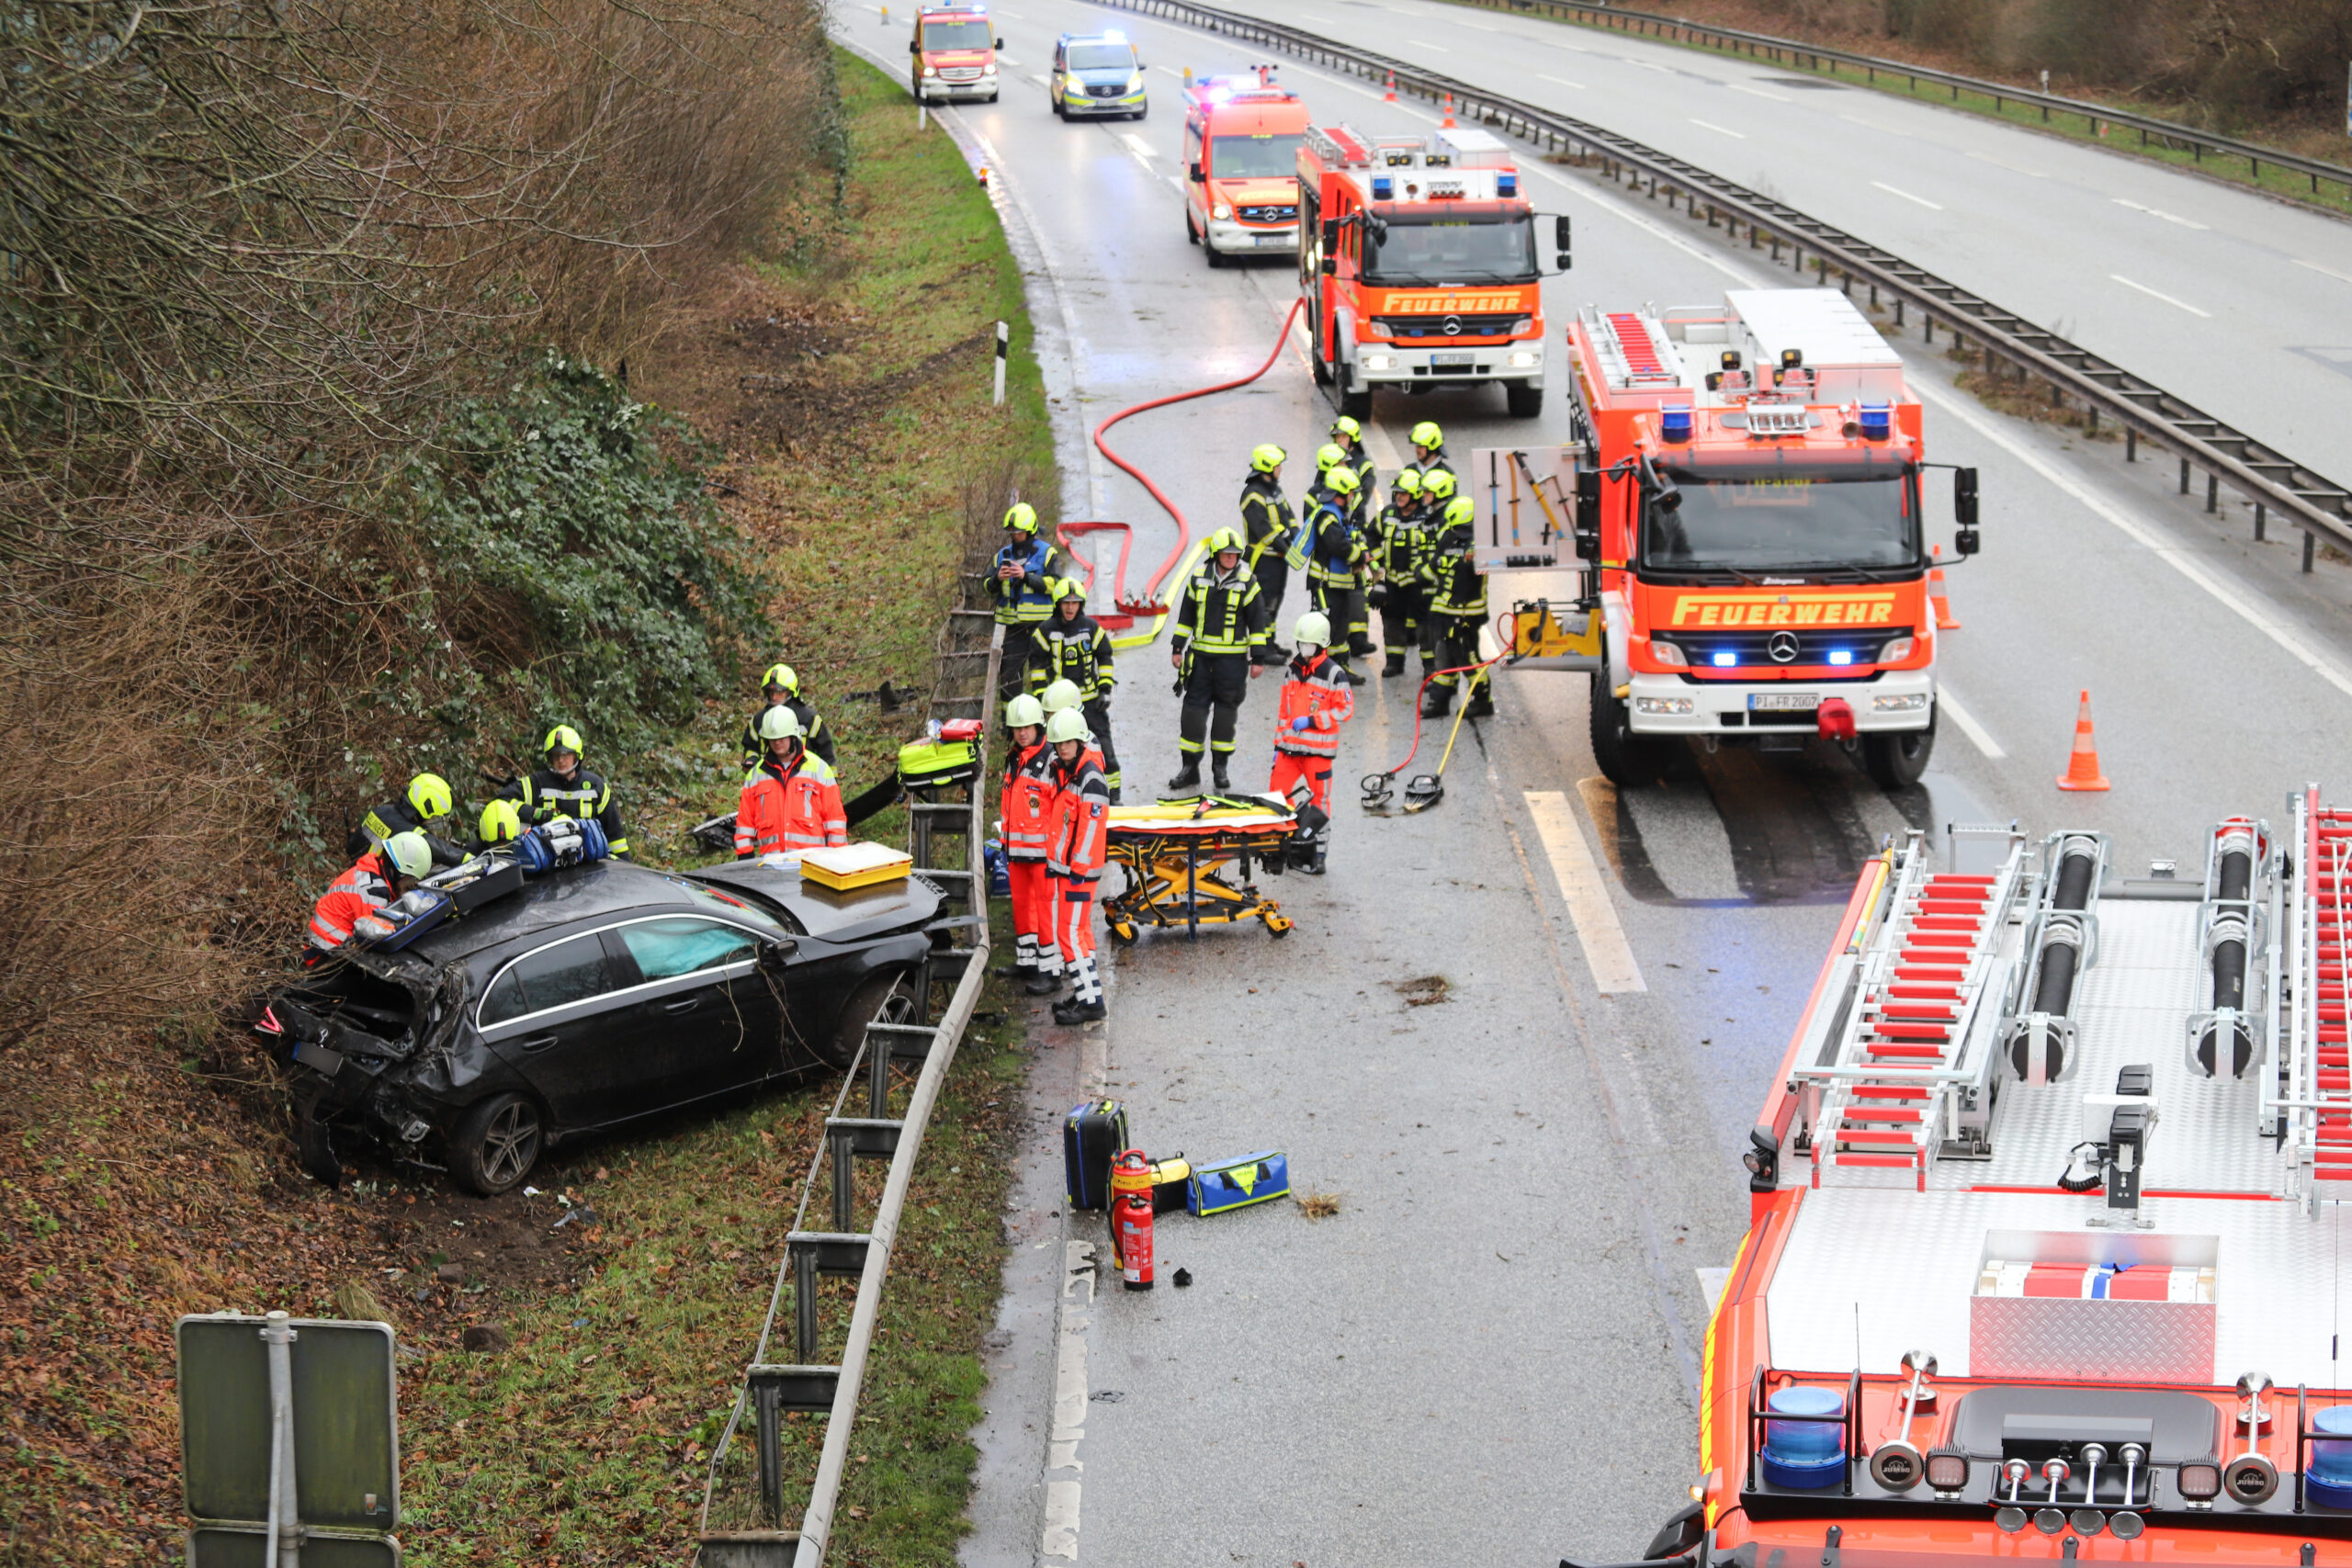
pixel 704 1016
pixel 550 1012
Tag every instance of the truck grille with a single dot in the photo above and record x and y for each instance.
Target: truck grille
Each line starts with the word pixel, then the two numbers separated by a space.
pixel 1284 214
pixel 1403 327
pixel 960 72
pixel 1113 91
pixel 1751 649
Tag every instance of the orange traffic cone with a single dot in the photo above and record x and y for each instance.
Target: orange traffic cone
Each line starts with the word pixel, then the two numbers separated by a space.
pixel 1448 124
pixel 1939 596
pixel 2081 768
pixel 1390 96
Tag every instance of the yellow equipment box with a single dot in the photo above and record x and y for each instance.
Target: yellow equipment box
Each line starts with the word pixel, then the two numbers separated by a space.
pixel 846 866
pixel 1543 638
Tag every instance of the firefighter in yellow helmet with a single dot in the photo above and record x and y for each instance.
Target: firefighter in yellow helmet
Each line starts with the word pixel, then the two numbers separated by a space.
pixel 1457 610
pixel 1347 434
pixel 1268 527
pixel 564 786
pixel 1429 449
pixel 424 809
pixel 781 686
pixel 1335 557
pixel 1072 647
pixel 1020 581
pixel 501 824
pixel 1220 622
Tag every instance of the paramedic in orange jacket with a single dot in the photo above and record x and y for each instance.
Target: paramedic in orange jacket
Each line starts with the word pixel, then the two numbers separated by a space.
pixel 792 801
pixel 348 906
pixel 1318 697
pixel 1077 846
pixel 1025 810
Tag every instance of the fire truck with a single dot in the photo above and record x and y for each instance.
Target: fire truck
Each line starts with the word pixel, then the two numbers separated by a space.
pixel 2048 1219
pixel 1241 135
pixel 955 54
pixel 1748 493
pixel 1420 269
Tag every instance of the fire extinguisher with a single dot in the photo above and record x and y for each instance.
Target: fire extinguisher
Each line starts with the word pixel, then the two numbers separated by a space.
pixel 1131 1218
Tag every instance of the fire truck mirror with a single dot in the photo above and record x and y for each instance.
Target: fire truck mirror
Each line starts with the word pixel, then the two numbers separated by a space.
pixel 1198 177
pixel 1330 247
pixel 1563 242
pixel 999 43
pixel 915 46
pixel 1588 515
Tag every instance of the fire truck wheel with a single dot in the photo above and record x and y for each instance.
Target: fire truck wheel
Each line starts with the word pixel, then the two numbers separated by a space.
pixel 1896 760
pixel 1192 236
pixel 1525 401
pixel 1625 759
pixel 1355 401
pixel 992 97
pixel 1217 258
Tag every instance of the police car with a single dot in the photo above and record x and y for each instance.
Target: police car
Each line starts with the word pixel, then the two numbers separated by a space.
pixel 1096 76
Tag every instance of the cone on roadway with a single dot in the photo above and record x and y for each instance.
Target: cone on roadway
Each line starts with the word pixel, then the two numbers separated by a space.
pixel 2081 768
pixel 1448 125
pixel 1390 96
pixel 1940 596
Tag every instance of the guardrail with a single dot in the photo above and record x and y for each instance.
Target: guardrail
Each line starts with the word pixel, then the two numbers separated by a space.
pixel 966 660
pixel 1795 51
pixel 2267 479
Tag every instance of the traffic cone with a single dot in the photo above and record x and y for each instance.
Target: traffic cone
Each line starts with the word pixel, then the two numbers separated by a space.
pixel 1390 96
pixel 1448 124
pixel 2081 768
pixel 1939 596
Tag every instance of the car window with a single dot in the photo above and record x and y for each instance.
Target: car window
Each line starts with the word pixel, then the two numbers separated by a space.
pixel 568 972
pixel 666 949
pixel 740 911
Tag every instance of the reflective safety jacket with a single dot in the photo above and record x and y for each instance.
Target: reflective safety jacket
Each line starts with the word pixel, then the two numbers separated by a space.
pixel 814 734
pixel 398 817
pixel 347 904
pixel 1268 524
pixel 1219 614
pixel 1400 546
pixel 1080 840
pixel 1337 553
pixel 785 809
pixel 1456 586
pixel 1319 692
pixel 1026 804
pixel 544 795
pixel 1078 651
pixel 1021 599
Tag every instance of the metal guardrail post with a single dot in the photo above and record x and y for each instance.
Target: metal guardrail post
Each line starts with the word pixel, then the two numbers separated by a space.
pixel 768 1436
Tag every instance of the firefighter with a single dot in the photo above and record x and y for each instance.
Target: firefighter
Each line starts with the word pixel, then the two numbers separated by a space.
pixel 1335 565
pixel 1401 544
pixel 1024 815
pixel 792 801
pixel 1328 457
pixel 782 686
pixel 1268 527
pixel 348 906
pixel 501 824
pixel 1220 621
pixel 1020 583
pixel 1347 434
pixel 1428 448
pixel 428 800
pixel 1073 646
pixel 1457 611
pixel 1318 697
pixel 565 788
pixel 1077 846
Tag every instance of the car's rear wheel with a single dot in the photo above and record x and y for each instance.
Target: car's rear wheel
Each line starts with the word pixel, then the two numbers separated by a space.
pixel 498 1143
pixel 885 998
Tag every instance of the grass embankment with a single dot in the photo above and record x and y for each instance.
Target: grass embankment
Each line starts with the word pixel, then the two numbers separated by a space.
pixel 849 393
pixel 2301 131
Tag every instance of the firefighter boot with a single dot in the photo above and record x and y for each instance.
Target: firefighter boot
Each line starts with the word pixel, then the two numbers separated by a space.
pixel 1045 981
pixel 1322 850
pixel 1217 776
pixel 1481 704
pixel 1188 777
pixel 1439 702
pixel 1085 1003
pixel 1396 665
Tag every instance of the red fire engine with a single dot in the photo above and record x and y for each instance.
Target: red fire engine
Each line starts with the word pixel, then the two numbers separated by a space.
pixel 2049 1209
pixel 955 54
pixel 1420 266
pixel 1241 137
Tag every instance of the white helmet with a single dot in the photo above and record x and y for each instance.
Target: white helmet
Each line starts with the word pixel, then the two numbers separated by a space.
pixel 780 723
pixel 1059 696
pixel 412 856
pixel 1313 630
pixel 1023 712
pixel 1067 724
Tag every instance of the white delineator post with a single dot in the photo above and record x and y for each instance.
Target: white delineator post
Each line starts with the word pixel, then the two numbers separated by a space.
pixel 1003 347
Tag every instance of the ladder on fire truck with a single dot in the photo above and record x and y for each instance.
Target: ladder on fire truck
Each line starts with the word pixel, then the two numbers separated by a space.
pixel 2319 1091
pixel 1919 1025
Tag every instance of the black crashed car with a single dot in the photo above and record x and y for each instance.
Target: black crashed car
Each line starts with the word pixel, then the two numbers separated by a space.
pixel 591 997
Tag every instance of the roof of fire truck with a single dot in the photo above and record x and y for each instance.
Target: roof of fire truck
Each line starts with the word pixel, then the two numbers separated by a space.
pixel 1929 1166
pixel 1461 163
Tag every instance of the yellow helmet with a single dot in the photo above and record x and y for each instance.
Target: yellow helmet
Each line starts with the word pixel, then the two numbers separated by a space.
pixel 1460 512
pixel 1345 426
pixel 1266 458
pixel 1342 480
pixel 1023 712
pixel 1437 485
pixel 1223 540
pixel 782 675
pixel 429 795
pixel 780 723
pixel 1327 456
pixel 562 738
pixel 410 855
pixel 501 823
pixel 1428 434
pixel 1058 697
pixel 1021 517
pixel 1063 588
pixel 1068 725
pixel 1408 481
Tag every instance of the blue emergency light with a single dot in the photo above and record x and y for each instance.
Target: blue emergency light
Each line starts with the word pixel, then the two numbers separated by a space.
pixel 1878 422
pixel 1725 658
pixel 1506 185
pixel 1674 422
pixel 1841 656
pixel 1382 187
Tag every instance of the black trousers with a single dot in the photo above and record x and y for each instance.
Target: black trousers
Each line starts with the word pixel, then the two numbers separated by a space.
pixel 1450 641
pixel 1343 608
pixel 1213 694
pixel 1272 572
pixel 1098 720
pixel 1401 620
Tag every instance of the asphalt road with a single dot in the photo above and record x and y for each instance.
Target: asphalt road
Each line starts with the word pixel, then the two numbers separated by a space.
pixel 1487 1356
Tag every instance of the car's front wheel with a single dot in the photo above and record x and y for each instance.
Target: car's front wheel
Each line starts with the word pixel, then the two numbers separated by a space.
pixel 885 998
pixel 498 1143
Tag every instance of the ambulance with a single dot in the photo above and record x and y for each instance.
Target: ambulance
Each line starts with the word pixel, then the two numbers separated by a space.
pixel 1421 267
pixel 1241 141
pixel 953 54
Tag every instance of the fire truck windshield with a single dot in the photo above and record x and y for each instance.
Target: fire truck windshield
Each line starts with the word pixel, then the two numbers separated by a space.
pixel 1747 521
pixel 1422 248
pixel 969 33
pixel 1254 157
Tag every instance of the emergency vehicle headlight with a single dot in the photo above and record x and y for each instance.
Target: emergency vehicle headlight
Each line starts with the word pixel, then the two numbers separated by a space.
pixel 1841 656
pixel 1947 1470
pixel 1380 362
pixel 1669 653
pixel 1897 649
pixel 987 70
pixel 1725 658
pixel 1220 212
pixel 2199 1481
pixel 1911 702
pixel 1524 359
pixel 930 70
pixel 1661 704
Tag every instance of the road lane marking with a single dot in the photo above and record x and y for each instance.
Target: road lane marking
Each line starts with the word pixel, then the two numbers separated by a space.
pixel 1719 130
pixel 2159 294
pixel 1176 185
pixel 2158 212
pixel 1606 951
pixel 2028 174
pixel 1758 92
pixel 1967 722
pixel 1563 82
pixel 2339 277
pixel 1873 125
pixel 2248 606
pixel 1072 1319
pixel 1432 47
pixel 1141 148
pixel 1039 80
pixel 1898 190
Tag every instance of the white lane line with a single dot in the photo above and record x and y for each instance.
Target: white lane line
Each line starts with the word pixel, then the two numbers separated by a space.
pixel 1006 60
pixel 1967 721
pixel 1718 130
pixel 1323 21
pixel 1998 163
pixel 1872 125
pixel 1171 70
pixel 2159 213
pixel 1606 951
pixel 1432 47
pixel 1476 27
pixel 1072 1318
pixel 1758 92
pixel 1136 145
pixel 2339 277
pixel 1563 80
pixel 1897 190
pixel 1176 185
pixel 1039 80
pixel 2246 605
pixel 2159 294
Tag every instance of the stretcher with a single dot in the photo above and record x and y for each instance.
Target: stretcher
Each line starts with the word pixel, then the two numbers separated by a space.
pixel 1188 864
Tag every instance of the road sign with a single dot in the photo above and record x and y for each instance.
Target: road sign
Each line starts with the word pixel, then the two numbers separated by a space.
pixel 330 1421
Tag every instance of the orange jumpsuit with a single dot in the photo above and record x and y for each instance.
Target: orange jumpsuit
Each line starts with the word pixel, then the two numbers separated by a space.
pixel 1078 845
pixel 1025 810
pixel 1319 692
pixel 782 809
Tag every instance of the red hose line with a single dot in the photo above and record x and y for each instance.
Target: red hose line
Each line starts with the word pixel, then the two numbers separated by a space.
pixel 1149 602
pixel 1506 617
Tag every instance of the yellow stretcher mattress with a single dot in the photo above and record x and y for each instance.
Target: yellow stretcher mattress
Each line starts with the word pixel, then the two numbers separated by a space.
pixel 1193 819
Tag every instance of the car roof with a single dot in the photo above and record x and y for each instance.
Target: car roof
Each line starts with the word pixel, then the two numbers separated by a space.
pixel 551 900
pixel 1098 38
pixel 821 913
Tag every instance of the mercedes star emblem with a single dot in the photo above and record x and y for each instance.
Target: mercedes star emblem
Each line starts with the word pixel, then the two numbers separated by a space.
pixel 1782 646
pixel 1453 326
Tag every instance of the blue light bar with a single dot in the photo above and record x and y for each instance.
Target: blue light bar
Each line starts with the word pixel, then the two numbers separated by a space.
pixel 1725 658
pixel 1506 185
pixel 1878 422
pixel 1674 422
pixel 1382 186
pixel 1841 656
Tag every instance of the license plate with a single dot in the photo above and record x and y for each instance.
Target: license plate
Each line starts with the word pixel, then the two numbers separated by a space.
pixel 1453 359
pixel 1783 702
pixel 1276 240
pixel 319 1058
